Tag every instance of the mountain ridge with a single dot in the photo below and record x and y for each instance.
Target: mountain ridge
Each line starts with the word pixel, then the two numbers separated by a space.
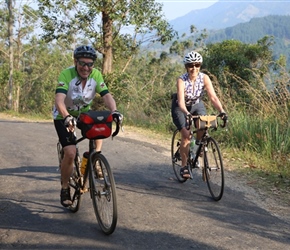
pixel 223 14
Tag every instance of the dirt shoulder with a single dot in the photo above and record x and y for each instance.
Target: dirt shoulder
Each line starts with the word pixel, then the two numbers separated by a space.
pixel 257 190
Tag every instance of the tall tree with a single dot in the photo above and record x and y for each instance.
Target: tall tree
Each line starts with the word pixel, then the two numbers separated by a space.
pixel 237 65
pixel 239 58
pixel 10 45
pixel 17 28
pixel 104 23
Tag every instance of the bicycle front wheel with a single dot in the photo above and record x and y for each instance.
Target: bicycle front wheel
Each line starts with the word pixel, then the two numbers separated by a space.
pixel 213 169
pixel 103 193
pixel 175 155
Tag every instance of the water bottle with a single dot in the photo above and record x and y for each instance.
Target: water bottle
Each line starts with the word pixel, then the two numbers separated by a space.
pixel 192 147
pixel 84 162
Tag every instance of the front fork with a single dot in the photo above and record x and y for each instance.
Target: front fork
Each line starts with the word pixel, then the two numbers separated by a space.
pixel 194 163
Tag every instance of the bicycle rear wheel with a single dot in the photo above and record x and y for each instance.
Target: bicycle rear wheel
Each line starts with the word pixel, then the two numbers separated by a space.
pixel 175 155
pixel 213 169
pixel 75 183
pixel 103 193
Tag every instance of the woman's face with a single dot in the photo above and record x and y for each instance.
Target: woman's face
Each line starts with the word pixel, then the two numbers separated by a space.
pixel 84 67
pixel 193 68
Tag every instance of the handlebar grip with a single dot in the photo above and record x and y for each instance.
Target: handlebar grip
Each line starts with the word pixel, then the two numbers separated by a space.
pixel 117 129
pixel 224 117
pixel 224 123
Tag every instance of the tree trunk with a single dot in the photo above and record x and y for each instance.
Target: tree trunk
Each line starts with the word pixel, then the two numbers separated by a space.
pixel 107 42
pixel 16 101
pixel 10 41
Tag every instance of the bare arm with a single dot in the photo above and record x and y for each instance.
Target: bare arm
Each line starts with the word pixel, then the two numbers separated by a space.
pixel 59 104
pixel 180 96
pixel 109 102
pixel 212 95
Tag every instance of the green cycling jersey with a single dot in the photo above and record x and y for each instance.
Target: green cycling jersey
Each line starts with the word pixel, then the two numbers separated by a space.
pixel 79 99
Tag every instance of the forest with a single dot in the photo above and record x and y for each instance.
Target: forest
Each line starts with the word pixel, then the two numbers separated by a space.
pixel 255 29
pixel 37 43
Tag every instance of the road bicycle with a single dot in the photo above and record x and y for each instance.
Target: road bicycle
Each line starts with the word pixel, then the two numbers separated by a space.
pixel 208 150
pixel 98 178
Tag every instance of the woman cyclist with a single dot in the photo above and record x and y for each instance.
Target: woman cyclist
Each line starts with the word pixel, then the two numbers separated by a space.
pixel 188 101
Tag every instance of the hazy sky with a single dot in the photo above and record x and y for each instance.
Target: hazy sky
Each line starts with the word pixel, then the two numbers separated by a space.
pixel 176 8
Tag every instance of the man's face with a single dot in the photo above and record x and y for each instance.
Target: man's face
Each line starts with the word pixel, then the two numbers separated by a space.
pixel 84 66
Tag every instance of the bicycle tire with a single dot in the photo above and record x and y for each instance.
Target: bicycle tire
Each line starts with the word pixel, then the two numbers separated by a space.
pixel 75 183
pixel 103 193
pixel 213 169
pixel 175 155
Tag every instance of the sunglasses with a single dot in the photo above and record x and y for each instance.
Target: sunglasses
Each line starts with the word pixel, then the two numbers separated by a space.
pixel 83 64
pixel 191 65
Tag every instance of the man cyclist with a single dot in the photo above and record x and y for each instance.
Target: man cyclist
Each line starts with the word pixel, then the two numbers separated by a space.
pixel 188 101
pixel 77 86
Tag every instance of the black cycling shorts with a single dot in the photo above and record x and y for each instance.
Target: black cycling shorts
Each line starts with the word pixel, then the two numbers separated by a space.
pixel 65 138
pixel 179 118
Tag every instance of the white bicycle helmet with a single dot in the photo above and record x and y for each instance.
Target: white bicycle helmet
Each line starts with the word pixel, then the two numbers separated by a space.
pixel 192 57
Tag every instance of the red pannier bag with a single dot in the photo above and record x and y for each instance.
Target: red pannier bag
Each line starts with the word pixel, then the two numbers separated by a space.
pixel 95 124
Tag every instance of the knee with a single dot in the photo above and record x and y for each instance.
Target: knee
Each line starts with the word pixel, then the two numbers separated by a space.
pixel 70 153
pixel 185 134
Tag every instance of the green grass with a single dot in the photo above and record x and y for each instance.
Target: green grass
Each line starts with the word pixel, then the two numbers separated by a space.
pixel 265 138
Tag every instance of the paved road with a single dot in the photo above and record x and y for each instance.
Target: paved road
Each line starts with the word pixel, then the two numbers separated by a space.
pixel 155 211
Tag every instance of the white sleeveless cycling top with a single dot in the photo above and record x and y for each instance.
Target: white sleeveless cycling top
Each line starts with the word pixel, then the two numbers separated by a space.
pixel 193 92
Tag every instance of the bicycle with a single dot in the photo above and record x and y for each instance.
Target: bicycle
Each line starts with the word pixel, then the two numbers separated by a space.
pixel 98 178
pixel 208 149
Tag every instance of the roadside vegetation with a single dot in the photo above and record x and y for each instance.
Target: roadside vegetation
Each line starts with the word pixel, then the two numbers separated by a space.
pixel 253 87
